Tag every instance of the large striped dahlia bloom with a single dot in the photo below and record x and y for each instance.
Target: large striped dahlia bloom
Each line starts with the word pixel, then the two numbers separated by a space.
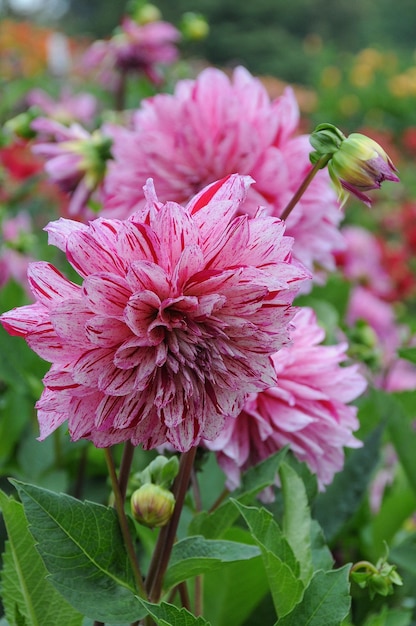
pixel 215 126
pixel 308 410
pixel 177 315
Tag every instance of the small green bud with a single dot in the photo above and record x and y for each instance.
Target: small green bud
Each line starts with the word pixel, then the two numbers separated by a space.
pixel 146 14
pixel 152 505
pixel 161 471
pixel 194 26
pixel 21 124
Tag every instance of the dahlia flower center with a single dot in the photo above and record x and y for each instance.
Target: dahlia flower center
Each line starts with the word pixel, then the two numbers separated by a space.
pixel 172 313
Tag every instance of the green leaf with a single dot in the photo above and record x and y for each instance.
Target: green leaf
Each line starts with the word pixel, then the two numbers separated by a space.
pixel 326 600
pixel 403 436
pixel 321 554
pixel 165 614
pixel 237 587
pixel 282 568
pixel 404 554
pixel 83 550
pixel 297 519
pixel 197 555
pixel 390 617
pixel 256 479
pixel 408 353
pixel 342 498
pixel 26 591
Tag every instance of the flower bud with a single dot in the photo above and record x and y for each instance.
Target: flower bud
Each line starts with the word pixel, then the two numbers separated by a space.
pixel 152 505
pixel 194 26
pixel 355 163
pixel 147 13
pixel 21 124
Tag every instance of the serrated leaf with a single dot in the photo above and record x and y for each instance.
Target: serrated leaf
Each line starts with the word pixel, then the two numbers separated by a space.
pixel 83 550
pixel 165 614
pixel 297 519
pixel 197 555
pixel 342 498
pixel 282 568
pixel 256 479
pixel 326 600
pixel 25 588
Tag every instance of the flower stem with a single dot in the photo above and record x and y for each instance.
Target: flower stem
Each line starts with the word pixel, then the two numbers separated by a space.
pixel 119 505
pixel 320 164
pixel 164 545
pixel 364 565
pixel 125 467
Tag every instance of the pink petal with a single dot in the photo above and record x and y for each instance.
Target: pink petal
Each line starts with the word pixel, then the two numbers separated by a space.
pixel 60 230
pixel 94 250
pixel 49 285
pixel 89 366
pixel 25 319
pixel 144 275
pixel 106 332
pixel 106 293
pixel 141 311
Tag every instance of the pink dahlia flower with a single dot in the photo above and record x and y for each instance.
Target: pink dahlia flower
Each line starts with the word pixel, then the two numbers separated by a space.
pixel 135 47
pixel 212 127
pixel 81 107
pixel 74 159
pixel 361 261
pixel 307 410
pixel 175 321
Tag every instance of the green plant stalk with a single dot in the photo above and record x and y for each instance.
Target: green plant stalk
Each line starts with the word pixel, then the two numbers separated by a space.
pixel 119 506
pixel 125 467
pixel 319 165
pixel 163 549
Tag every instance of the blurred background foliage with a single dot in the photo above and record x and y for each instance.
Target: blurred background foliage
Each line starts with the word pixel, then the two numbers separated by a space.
pixel 357 58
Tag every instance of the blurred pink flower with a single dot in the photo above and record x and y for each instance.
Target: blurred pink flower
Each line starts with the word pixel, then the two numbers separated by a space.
pixel 307 410
pixel 81 107
pixel 380 315
pixel 175 321
pixel 215 126
pixel 15 233
pixel 135 47
pixel 75 160
pixel 361 260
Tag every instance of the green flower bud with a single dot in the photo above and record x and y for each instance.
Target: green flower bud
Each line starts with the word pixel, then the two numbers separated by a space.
pixel 152 505
pixel 355 163
pixel 194 26
pixel 147 13
pixel 161 471
pixel 21 124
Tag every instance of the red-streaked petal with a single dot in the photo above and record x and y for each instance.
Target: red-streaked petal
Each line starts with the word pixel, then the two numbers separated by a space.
pixel 49 285
pixel 87 369
pixel 69 318
pixel 144 275
pixel 106 332
pixel 25 319
pixel 94 250
pixel 116 382
pixel 141 311
pixel 60 230
pixel 106 293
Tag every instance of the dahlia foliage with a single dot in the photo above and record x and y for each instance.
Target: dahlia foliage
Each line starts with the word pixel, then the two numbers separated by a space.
pixel 200 298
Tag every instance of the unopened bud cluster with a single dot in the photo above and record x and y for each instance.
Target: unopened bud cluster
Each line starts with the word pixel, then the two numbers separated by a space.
pixel 356 163
pixel 152 504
